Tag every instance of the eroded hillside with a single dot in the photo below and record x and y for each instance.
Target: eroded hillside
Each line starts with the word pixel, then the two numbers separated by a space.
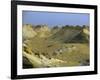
pixel 56 47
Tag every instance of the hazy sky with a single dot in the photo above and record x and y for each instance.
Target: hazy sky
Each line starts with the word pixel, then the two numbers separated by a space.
pixel 53 19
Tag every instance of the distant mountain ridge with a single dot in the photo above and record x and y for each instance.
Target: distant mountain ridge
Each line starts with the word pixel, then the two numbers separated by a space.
pixel 66 34
pixel 71 35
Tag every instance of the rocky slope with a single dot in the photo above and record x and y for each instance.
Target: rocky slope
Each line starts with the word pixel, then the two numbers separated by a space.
pixel 28 32
pixel 71 35
pixel 56 47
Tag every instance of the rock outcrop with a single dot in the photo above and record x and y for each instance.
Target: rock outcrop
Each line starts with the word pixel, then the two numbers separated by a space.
pixel 43 31
pixel 28 31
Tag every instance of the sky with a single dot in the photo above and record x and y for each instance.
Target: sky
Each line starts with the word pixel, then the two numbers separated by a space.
pixel 55 18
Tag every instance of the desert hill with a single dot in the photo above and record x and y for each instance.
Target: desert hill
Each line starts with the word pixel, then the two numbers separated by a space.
pixel 28 32
pixel 61 34
pixel 55 47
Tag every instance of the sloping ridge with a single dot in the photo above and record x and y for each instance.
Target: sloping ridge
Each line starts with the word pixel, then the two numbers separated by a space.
pixel 70 35
pixel 80 37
